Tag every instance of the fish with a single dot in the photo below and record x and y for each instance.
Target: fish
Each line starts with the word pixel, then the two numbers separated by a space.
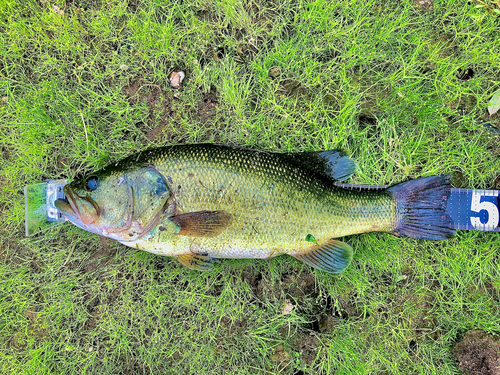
pixel 201 202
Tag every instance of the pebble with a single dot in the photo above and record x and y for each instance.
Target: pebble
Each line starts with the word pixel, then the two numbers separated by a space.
pixel 176 78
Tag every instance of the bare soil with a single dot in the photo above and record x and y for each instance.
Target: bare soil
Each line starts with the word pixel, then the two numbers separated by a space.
pixel 207 108
pixel 478 353
pixel 158 101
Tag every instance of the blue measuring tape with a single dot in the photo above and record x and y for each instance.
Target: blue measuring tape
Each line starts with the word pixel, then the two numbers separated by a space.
pixel 470 209
pixel 474 209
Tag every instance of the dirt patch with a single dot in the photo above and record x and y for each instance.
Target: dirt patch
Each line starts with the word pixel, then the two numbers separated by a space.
pixel 99 259
pixel 159 103
pixel 207 108
pixel 6 152
pixel 35 264
pixel 323 312
pixel 307 345
pixel 478 353
pixel 253 279
pixel 295 287
pixel 496 183
pixel 35 323
pixel 465 74
pixel 489 289
pixel 281 357
pixel 457 179
pixel 293 88
pixel 300 286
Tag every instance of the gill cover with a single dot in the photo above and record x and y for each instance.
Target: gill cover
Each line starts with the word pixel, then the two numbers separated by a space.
pixel 149 195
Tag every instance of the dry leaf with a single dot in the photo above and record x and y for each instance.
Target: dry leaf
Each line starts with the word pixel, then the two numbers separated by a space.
pixel 287 308
pixel 494 104
pixel 176 79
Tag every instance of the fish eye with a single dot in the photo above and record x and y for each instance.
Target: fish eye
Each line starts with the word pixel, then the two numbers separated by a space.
pixel 91 183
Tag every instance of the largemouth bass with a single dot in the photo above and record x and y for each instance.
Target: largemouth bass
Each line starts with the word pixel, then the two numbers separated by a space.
pixel 202 202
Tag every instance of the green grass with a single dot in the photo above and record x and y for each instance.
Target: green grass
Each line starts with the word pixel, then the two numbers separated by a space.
pixel 378 79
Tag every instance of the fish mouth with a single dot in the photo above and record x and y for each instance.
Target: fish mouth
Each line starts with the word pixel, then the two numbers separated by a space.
pixel 70 210
pixel 67 206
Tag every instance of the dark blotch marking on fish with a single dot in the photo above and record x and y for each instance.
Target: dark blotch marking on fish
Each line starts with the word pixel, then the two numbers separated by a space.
pixel 169 179
pixel 190 175
pixel 162 228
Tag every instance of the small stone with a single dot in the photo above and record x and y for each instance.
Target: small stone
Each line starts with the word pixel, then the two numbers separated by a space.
pixel 90 348
pixel 287 308
pixel 275 71
pixel 176 78
pixel 425 5
pixel 58 10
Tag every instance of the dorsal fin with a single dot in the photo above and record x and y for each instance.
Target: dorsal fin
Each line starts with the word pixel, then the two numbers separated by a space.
pixel 333 165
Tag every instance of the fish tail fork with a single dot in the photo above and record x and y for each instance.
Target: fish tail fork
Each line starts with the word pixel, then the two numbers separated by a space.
pixel 421 208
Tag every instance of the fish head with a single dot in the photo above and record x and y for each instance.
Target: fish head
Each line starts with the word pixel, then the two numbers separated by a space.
pixel 123 204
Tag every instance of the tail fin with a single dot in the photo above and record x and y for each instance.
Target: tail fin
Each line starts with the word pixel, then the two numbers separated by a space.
pixel 421 208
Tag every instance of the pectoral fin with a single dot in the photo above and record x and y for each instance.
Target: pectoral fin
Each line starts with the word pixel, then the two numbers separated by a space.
pixel 199 262
pixel 202 223
pixel 332 256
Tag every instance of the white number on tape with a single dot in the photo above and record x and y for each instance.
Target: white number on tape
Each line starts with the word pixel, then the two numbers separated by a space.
pixel 491 208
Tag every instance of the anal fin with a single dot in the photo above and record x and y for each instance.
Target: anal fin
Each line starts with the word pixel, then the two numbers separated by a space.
pixel 199 262
pixel 332 256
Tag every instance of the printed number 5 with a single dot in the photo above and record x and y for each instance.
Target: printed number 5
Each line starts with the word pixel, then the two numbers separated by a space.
pixel 478 206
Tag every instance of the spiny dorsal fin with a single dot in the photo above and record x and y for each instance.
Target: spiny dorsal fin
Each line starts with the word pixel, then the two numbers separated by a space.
pixel 333 164
pixel 332 256
pixel 202 223
pixel 199 262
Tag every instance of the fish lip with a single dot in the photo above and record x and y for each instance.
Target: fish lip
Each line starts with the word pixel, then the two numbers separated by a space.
pixel 70 199
pixel 70 211
pixel 69 203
